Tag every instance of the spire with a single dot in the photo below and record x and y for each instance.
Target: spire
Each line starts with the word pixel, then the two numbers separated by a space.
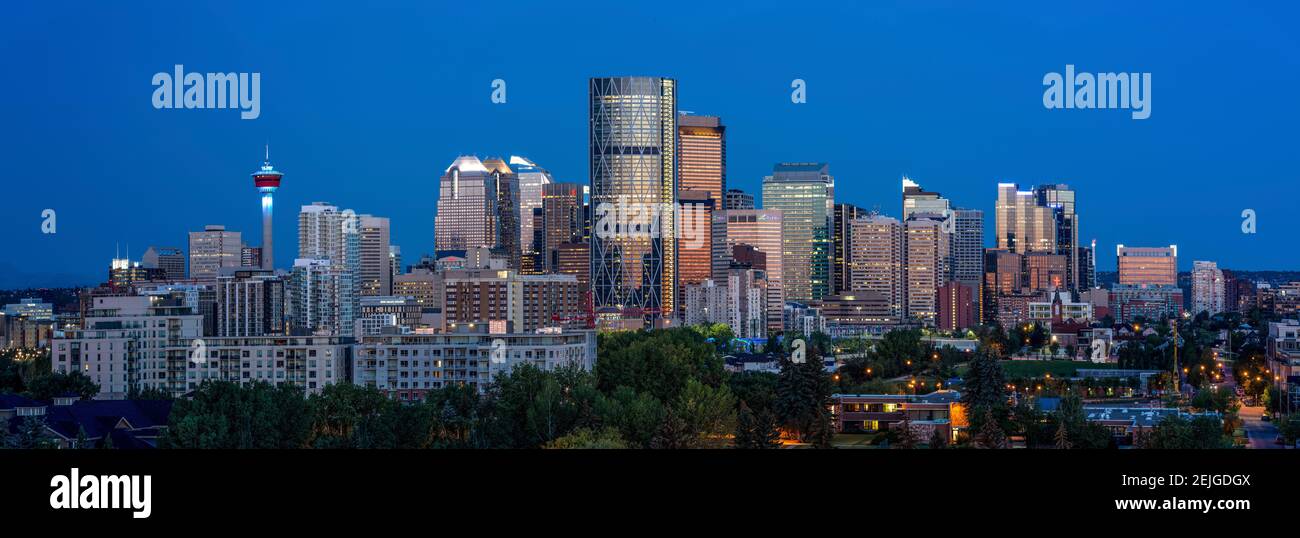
pixel 268 152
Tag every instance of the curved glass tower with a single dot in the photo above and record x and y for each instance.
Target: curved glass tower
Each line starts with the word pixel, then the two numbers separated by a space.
pixel 633 157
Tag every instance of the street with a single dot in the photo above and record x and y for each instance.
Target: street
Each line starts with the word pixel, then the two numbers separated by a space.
pixel 1261 434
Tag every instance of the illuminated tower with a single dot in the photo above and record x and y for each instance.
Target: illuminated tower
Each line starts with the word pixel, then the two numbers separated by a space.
pixel 267 179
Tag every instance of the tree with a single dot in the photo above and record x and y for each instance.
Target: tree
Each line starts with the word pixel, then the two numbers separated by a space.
pixel 587 438
pixel 990 434
pixel 56 384
pixel 658 362
pixel 709 413
pixel 673 433
pixel 756 430
pixel 1063 437
pixel 31 433
pixel 803 398
pixel 1177 432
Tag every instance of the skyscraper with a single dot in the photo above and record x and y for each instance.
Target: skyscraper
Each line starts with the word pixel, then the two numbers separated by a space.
pixel 633 156
pixel 842 245
pixel 476 207
pixel 532 179
pixel 919 200
pixel 876 259
pixel 738 199
pixel 761 230
pixel 374 250
pixel 212 249
pixel 170 259
pixel 703 154
pixel 1061 199
pixel 805 195
pixel 926 264
pixel 1148 266
pixel 694 253
pixel 323 294
pixel 561 221
pixel 968 254
pixel 267 180
pixel 1023 225
pixel 506 197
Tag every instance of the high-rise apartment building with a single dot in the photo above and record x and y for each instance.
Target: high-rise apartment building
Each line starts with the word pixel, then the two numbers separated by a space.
pixel 375 262
pixel 634 160
pixel 251 302
pixel 876 259
pixel 1151 266
pixel 968 253
pixel 1208 289
pixel 805 195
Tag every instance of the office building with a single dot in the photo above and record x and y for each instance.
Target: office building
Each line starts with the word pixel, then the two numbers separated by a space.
pixel 738 199
pixel 170 259
pixel 1023 225
pixel 761 230
pixel 876 259
pixel 561 223
pixel 805 195
pixel 703 156
pixel 842 245
pixel 1061 199
pixel 695 246
pixel 1152 266
pixel 634 160
pixel 211 250
pixel 926 264
pixel 532 179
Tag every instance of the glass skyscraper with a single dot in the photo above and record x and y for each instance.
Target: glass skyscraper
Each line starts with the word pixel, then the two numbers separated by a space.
pixel 633 157
pixel 805 194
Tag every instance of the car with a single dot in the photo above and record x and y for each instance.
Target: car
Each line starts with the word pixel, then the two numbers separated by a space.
pixel 1264 417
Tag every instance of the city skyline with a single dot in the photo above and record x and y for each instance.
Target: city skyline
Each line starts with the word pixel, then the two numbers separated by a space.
pixel 156 185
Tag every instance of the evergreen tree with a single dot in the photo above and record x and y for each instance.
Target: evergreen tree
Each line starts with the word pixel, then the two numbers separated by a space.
pixel 990 434
pixel 673 433
pixel 756 430
pixel 1062 437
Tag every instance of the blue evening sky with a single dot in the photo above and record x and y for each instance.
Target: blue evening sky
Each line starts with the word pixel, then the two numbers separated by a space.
pixel 364 108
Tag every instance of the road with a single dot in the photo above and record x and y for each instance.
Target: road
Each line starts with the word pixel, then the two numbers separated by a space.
pixel 1260 434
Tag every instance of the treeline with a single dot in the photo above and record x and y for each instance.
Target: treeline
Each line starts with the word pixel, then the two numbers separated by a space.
pixel 32 377
pixel 659 389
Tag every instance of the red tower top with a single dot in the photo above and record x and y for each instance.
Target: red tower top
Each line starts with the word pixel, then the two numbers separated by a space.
pixel 267 177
